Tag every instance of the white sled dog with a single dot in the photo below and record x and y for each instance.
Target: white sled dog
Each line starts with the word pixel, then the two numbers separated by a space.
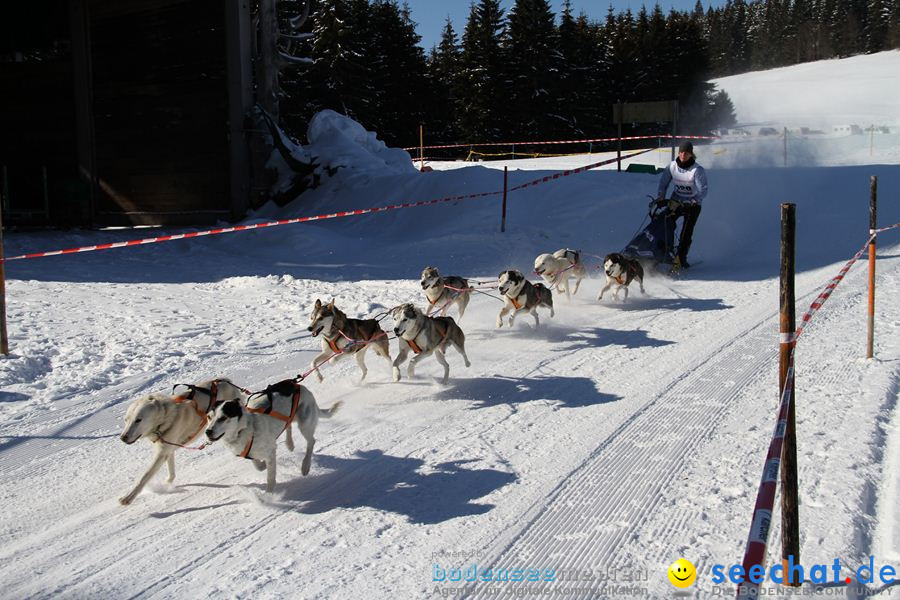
pixel 425 335
pixel 621 271
pixel 557 268
pixel 251 431
pixel 170 421
pixel 441 292
pixel 522 296
pixel 343 336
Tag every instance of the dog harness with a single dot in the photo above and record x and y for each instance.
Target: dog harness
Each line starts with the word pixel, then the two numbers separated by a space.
pixel 415 347
pixel 212 392
pixel 269 410
pixel 514 303
pixel 203 419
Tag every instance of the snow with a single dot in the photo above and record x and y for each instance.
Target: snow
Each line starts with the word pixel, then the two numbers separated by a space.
pixel 616 438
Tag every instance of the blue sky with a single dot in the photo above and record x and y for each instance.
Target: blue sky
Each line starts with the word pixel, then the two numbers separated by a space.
pixel 430 15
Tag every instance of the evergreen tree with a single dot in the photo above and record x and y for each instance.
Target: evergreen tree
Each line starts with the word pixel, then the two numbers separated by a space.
pixel 443 73
pixel 893 31
pixel 397 66
pixel 878 20
pixel 481 74
pixel 533 61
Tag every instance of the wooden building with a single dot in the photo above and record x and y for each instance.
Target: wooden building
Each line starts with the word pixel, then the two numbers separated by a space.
pixel 118 112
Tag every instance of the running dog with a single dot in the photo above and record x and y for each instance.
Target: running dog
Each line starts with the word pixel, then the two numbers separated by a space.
pixel 251 431
pixel 441 292
pixel 557 268
pixel 342 336
pixel 169 422
pixel 425 335
pixel 522 295
pixel 621 270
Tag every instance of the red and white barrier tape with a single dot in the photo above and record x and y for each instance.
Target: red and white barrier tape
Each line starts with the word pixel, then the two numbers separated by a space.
pixel 348 213
pixel 578 170
pixel 757 540
pixel 181 236
pixel 609 139
pixel 894 226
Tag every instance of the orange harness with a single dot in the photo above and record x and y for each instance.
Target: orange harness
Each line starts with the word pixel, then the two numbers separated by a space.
pixel 620 280
pixel 415 347
pixel 203 418
pixel 295 402
pixel 514 303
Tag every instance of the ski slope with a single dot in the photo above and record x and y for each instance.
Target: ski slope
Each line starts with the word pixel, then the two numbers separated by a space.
pixel 615 438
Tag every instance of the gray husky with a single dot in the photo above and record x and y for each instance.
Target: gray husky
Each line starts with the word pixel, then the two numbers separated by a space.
pixel 522 295
pixel 441 292
pixel 342 335
pixel 621 270
pixel 425 335
pixel 251 431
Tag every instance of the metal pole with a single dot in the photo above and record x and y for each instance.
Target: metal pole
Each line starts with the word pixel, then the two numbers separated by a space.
pixel 503 218
pixel 4 339
pixel 873 201
pixel 790 528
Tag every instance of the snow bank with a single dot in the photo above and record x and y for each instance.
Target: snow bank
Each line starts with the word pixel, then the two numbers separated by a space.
pixel 337 141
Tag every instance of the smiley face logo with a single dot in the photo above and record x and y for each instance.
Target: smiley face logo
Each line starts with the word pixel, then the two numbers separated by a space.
pixel 682 573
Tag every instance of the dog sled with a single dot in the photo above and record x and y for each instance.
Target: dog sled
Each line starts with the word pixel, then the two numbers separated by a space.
pixel 655 243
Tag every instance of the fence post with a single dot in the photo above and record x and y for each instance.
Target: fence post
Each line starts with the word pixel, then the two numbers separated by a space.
pixel 4 339
pixel 785 145
pixel 421 147
pixel 790 529
pixel 503 217
pixel 619 143
pixel 873 201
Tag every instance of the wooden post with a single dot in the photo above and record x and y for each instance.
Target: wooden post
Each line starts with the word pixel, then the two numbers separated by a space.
pixel 785 145
pixel 619 143
pixel 4 191
pixel 873 201
pixel 674 126
pixel 4 339
pixel 46 186
pixel 790 528
pixel 421 147
pixel 503 218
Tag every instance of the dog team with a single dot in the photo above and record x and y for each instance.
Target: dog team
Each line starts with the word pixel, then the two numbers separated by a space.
pixel 249 423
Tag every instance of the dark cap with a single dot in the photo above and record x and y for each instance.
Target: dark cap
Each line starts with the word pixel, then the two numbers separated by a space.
pixel 686 147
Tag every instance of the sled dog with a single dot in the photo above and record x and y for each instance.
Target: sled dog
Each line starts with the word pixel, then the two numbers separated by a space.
pixel 342 336
pixel 251 431
pixel 442 292
pixel 521 295
pixel 557 268
pixel 425 335
pixel 621 271
pixel 170 421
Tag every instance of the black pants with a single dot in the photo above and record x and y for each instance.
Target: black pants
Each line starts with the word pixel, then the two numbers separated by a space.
pixel 690 214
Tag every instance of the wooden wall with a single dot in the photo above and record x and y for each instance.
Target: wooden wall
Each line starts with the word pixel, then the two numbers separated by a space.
pixel 160 111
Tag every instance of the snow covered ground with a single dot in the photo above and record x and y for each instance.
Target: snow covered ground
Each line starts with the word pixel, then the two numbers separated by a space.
pixel 616 438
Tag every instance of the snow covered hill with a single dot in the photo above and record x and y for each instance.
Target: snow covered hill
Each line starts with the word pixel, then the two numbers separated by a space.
pixel 616 438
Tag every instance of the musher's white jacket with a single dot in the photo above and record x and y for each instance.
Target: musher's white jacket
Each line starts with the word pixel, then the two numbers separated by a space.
pixel 690 183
